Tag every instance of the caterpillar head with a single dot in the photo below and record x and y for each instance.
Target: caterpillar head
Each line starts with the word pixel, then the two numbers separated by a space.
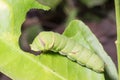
pixel 44 41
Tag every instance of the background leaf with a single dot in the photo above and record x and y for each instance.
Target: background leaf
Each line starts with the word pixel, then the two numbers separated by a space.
pixel 93 3
pixel 50 3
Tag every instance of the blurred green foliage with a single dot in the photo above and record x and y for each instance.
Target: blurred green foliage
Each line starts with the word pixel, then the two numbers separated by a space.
pixel 50 3
pixel 92 3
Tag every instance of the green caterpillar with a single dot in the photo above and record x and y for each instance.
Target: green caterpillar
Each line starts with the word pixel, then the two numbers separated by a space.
pixel 58 43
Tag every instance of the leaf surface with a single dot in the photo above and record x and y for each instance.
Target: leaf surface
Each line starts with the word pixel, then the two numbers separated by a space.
pixel 20 65
pixel 80 32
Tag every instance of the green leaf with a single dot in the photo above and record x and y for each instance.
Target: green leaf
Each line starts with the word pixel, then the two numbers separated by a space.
pixel 78 31
pixel 13 12
pixel 92 3
pixel 20 65
pixel 50 3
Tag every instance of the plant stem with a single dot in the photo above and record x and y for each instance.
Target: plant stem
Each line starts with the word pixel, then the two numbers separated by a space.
pixel 117 9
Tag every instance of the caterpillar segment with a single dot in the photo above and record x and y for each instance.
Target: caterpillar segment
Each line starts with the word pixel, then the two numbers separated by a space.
pixel 65 46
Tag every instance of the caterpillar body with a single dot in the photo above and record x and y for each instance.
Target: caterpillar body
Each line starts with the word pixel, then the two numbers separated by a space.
pixel 76 52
